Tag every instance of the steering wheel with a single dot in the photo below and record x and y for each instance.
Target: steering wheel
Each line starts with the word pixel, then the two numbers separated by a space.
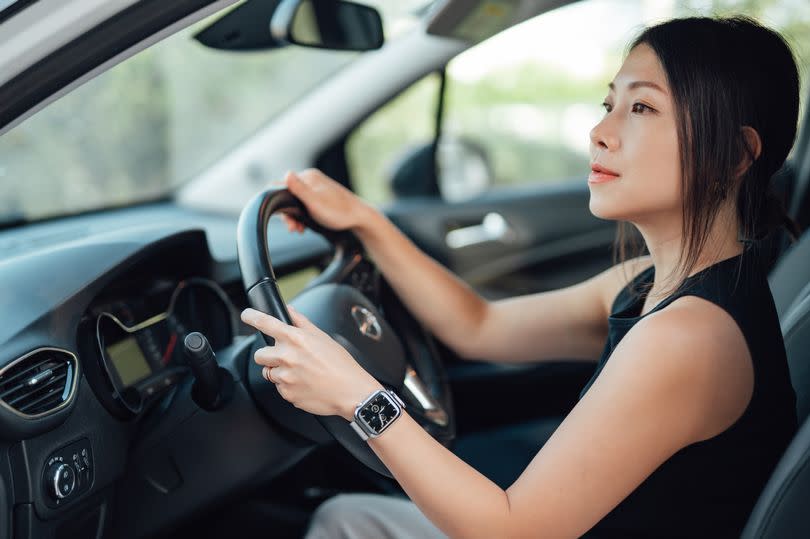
pixel 404 359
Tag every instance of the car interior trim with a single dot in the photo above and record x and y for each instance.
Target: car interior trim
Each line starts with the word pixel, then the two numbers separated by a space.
pixel 73 382
pixel 13 7
pixel 160 317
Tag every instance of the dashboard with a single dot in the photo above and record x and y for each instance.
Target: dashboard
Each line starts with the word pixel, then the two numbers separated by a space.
pixel 93 318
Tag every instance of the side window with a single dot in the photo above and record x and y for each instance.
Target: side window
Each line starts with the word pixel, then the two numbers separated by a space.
pixel 519 106
pixel 399 127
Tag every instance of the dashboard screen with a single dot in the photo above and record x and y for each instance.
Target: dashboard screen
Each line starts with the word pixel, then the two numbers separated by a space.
pixel 129 361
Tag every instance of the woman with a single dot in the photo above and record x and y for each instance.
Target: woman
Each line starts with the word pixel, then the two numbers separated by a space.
pixel 691 404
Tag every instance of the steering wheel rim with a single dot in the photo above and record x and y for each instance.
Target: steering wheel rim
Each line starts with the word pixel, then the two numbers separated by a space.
pixel 435 414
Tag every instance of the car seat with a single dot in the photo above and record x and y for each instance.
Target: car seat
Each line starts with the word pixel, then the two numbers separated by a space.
pixel 782 508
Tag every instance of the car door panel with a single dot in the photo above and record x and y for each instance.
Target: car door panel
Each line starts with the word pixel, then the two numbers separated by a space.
pixel 544 224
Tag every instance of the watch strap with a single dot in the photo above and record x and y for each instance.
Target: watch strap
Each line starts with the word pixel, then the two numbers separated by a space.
pixel 359 430
pixel 396 398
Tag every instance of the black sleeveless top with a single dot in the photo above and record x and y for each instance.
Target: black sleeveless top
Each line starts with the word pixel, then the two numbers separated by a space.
pixel 709 488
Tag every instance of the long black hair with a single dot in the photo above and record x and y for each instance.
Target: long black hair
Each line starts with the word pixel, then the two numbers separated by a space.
pixel 725 74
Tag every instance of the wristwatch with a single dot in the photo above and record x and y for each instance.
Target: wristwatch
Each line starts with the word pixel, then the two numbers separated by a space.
pixel 377 413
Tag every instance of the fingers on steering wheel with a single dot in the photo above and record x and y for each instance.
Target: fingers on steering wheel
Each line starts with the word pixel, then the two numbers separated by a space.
pixel 300 320
pixel 278 375
pixel 269 356
pixel 269 325
pixel 293 225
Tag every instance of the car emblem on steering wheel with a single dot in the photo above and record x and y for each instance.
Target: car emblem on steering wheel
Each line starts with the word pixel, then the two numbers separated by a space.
pixel 367 322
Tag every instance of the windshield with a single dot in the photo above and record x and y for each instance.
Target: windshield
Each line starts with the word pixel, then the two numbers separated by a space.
pixel 137 131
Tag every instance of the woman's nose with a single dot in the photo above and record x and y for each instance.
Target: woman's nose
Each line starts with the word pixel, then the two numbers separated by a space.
pixel 603 136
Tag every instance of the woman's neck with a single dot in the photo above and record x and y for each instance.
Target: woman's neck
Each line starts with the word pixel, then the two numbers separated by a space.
pixel 664 242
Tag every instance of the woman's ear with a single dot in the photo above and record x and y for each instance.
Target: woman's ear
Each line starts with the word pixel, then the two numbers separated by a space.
pixel 752 146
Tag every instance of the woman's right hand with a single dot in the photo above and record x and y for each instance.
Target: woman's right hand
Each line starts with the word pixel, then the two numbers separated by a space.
pixel 328 203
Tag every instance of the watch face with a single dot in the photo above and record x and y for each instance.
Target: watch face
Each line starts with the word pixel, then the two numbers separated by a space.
pixel 378 413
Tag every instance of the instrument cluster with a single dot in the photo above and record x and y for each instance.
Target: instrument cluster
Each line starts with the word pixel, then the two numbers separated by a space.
pixel 139 339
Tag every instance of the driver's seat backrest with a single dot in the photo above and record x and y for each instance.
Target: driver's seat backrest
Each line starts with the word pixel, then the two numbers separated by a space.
pixel 790 276
pixel 790 286
pixel 782 509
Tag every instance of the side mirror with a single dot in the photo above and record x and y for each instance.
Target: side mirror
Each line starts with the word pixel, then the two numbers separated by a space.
pixel 464 169
pixel 328 24
pixel 461 170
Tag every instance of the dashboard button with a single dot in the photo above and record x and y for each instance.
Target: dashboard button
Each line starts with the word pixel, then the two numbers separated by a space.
pixel 61 480
pixel 68 473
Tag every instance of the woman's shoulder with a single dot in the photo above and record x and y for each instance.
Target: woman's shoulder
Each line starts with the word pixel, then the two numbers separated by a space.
pixel 616 278
pixel 706 346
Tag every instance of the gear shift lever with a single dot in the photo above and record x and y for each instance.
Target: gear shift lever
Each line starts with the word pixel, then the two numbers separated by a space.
pixel 213 386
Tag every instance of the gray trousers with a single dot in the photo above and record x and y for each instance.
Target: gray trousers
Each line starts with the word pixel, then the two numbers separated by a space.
pixel 374 516
pixel 370 516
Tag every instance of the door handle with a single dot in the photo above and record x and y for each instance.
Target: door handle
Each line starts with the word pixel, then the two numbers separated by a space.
pixel 492 228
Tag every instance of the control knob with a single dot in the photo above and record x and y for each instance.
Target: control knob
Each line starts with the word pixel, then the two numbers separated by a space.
pixel 61 480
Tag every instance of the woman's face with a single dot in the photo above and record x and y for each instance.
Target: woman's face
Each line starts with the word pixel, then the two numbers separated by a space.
pixel 635 163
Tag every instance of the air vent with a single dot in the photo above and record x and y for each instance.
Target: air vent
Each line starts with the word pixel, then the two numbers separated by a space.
pixel 39 383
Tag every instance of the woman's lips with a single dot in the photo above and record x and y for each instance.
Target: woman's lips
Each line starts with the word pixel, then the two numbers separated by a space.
pixel 600 174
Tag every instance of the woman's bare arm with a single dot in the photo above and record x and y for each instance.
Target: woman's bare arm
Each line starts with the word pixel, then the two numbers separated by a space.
pixel 659 391
pixel 570 323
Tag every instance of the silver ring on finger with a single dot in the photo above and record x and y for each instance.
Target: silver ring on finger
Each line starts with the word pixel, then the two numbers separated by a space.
pixel 266 374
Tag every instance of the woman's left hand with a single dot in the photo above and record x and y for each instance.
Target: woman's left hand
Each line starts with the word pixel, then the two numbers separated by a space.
pixel 310 369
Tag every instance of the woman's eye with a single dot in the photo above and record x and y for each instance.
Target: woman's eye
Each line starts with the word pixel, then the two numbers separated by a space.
pixel 641 108
pixel 607 106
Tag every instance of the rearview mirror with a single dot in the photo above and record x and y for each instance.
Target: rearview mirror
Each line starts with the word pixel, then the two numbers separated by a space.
pixel 328 24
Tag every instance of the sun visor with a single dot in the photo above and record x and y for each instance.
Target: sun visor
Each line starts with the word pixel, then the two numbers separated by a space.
pixel 476 20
